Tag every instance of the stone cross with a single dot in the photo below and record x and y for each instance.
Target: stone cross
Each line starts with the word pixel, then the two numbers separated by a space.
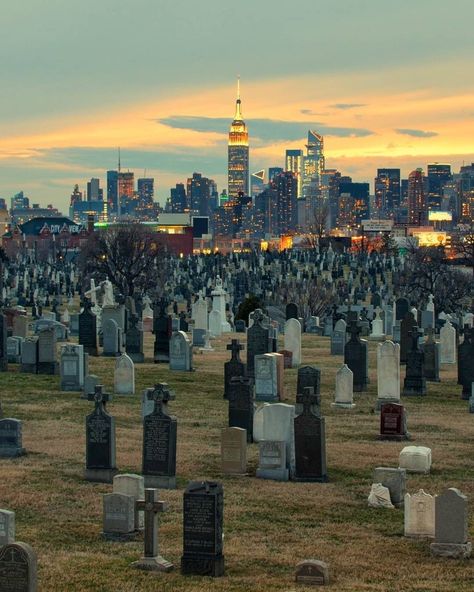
pixel 258 316
pixel 160 394
pixel 354 330
pixel 98 397
pixel 430 332
pixel 307 399
pixel 151 507
pixel 415 334
pixel 235 347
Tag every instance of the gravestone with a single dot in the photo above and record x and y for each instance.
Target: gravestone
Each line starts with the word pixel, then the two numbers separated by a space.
pixel 241 404
pixel 134 341
pixel 407 327
pixel 151 506
pixel 451 526
pixel 257 341
pixel 415 382
pixel 356 358
pixel 293 340
pixel 181 352
pixel 100 442
pixel 47 363
pixel 310 444
pixel 11 438
pixel 291 311
pixel 235 366
pixel 134 486
pixel 278 424
pixel 272 460
pixel 234 451
pixel 119 517
pixel 199 313
pixel 388 373
pixel 124 376
pixel 90 382
pixel 112 338
pixel 159 443
pixel 203 516
pixel 18 568
pixel 287 358
pixel 419 515
pixel 148 404
pixel 267 387
pixel 161 330
pixel 199 336
pixel 312 572
pixel 7 527
pixel 344 397
pixel 240 326
pixel 88 330
pixel 3 343
pixel 338 338
pixel 395 480
pixel 465 363
pixel 14 347
pixel 393 422
pixel 72 367
pixel 402 306
pixel 431 357
pixel 415 459
pixel 308 376
pixel 447 344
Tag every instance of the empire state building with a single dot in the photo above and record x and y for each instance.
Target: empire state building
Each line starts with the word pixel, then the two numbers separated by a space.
pixel 238 155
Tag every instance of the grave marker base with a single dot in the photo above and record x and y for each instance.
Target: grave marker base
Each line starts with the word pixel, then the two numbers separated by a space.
pixel 157 563
pixel 100 475
pixel 452 550
pixel 380 402
pixel 159 482
pixel 123 537
pixel 202 565
pixel 273 474
pixel 343 405
pixel 12 452
pixel 394 437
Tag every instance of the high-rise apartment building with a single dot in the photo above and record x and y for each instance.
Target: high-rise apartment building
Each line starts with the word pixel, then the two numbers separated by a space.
pixel 146 191
pixel 284 188
pixel 201 195
pixel 257 184
pixel 294 164
pixel 94 192
pixel 387 191
pixel 272 171
pixel 313 164
pixel 359 202
pixel 417 211
pixel 178 199
pixel 437 177
pixel 238 153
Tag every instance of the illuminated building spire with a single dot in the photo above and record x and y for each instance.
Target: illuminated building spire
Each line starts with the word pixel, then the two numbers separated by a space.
pixel 238 112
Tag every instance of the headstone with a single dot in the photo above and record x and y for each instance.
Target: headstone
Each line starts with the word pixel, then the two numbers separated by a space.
pixel 215 323
pixel 393 422
pixel 395 480
pixel 90 382
pixel 203 516
pixel 7 527
pixel 240 326
pixel 199 314
pixel 407 326
pixel 235 366
pixel 151 560
pixel 88 330
pixel 161 330
pixel 310 444
pixel 338 338
pixel 11 438
pixel 451 526
pixel 419 515
pixel 402 306
pixel 3 343
pixel 312 572
pixel 287 358
pixel 72 367
pixel 181 352
pixel 234 451
pixel 241 404
pixel 119 517
pixel 272 460
pixel 356 357
pixel 112 338
pixel 257 341
pixel 134 486
pixel 134 341
pixel 47 363
pixel 291 311
pixel 18 568
pixel 199 336
pixel 415 459
pixel 388 373
pixel 308 376
pixel 447 344
pixel 278 424
pixel 415 382
pixel 267 387
pixel 377 327
pixel 344 397
pixel 293 340
pixel 379 496
pixel 124 376
pixel 100 442
pixel 465 363
pixel 14 347
pixel 159 443
pixel 431 357
pixel 20 326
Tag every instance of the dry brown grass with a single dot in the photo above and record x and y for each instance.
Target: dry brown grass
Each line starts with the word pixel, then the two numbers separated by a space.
pixel 269 526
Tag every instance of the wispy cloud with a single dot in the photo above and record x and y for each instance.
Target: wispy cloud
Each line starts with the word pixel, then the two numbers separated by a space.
pixel 416 133
pixel 346 106
pixel 272 130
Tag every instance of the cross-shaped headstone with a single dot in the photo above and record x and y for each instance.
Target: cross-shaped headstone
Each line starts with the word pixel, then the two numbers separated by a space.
pixel 151 506
pixel 430 332
pixel 307 399
pixel 258 316
pixel 415 335
pixel 99 397
pixel 160 395
pixel 133 320
pixel 235 347
pixel 354 329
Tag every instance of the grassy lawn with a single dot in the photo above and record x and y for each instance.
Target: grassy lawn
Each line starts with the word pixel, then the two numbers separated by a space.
pixel 269 526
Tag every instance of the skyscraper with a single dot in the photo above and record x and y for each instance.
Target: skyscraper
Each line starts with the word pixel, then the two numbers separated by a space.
pixel 112 191
pixel 438 176
pixel 416 198
pixel 238 153
pixel 313 163
pixel 387 190
pixel 146 190
pixel 93 190
pixel 178 199
pixel 294 164
pixel 257 184
pixel 284 188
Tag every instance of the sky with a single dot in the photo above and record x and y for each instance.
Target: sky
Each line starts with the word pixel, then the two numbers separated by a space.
pixel 387 83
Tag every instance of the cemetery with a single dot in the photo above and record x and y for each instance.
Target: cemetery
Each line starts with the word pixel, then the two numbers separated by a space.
pixel 153 444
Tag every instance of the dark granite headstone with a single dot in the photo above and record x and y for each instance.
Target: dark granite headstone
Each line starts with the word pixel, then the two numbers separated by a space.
pixel 203 516
pixel 310 443
pixel 3 344
pixel 406 328
pixel 134 341
pixel 18 568
pixel 88 330
pixel 162 332
pixel 100 442
pixel 241 404
pixel 291 311
pixel 415 382
pixel 356 357
pixel 258 341
pixel 431 359
pixel 11 438
pixel 466 363
pixel 402 306
pixel 235 366
pixel 393 422
pixel 159 442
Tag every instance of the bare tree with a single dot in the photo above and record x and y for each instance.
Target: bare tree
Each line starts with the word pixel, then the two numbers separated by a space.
pixel 312 299
pixel 317 223
pixel 463 245
pixel 128 255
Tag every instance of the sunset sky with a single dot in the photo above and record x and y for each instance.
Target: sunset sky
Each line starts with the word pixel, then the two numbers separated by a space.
pixel 386 83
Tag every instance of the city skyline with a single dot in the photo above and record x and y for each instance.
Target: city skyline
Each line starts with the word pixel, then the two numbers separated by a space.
pixel 403 107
